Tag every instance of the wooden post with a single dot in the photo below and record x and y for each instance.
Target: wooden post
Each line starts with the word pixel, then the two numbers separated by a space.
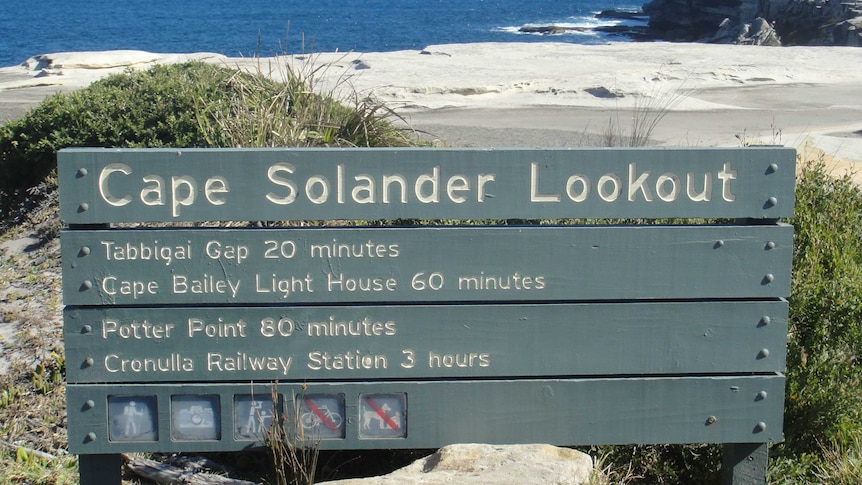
pixel 100 469
pixel 744 464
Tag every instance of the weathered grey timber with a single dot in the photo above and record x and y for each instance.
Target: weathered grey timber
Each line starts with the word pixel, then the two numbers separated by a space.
pixel 129 185
pixel 218 344
pixel 563 411
pixel 143 267
pixel 199 339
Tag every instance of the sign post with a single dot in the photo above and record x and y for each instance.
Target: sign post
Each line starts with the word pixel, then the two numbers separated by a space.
pixel 560 328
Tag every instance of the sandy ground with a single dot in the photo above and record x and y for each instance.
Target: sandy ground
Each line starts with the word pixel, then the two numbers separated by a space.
pixel 551 94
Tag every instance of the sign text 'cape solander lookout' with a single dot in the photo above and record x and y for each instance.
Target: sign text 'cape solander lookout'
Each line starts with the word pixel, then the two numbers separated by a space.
pixel 186 185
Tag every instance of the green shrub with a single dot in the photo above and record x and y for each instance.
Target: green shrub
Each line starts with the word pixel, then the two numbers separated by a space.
pixel 823 393
pixel 823 403
pixel 184 105
pixel 153 108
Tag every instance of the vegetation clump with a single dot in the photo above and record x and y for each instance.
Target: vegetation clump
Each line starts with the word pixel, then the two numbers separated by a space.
pixel 184 105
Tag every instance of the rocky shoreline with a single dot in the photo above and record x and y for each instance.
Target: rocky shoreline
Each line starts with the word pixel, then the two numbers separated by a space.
pixel 749 22
pixel 757 22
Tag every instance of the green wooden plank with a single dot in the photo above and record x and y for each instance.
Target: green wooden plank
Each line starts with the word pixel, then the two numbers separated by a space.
pixel 143 267
pixel 377 342
pixel 744 464
pixel 111 185
pixel 730 409
pixel 100 469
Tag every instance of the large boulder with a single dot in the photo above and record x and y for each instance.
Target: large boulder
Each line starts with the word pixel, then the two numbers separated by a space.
pixel 690 20
pixel 848 32
pixel 761 22
pixel 475 464
pixel 759 32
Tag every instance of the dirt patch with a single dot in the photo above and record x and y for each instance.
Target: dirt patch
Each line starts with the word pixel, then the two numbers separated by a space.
pixel 32 366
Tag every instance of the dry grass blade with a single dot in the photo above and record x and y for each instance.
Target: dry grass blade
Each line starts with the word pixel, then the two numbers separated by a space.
pixel 646 114
pixel 294 455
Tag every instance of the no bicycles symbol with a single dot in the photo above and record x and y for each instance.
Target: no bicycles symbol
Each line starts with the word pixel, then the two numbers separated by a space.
pixel 322 415
pixel 382 416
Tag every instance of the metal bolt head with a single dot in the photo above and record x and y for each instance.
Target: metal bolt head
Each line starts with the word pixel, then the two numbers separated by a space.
pixel 86 329
pixel 711 420
pixel 761 426
pixel 82 172
pixel 91 436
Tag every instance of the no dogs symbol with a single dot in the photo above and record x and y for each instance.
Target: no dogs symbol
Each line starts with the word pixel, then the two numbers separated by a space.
pixel 382 416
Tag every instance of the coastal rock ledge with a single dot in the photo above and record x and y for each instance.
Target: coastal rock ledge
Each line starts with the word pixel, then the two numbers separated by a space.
pixel 759 22
pixel 477 464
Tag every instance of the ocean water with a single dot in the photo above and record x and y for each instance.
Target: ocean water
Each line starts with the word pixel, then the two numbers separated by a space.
pixel 266 27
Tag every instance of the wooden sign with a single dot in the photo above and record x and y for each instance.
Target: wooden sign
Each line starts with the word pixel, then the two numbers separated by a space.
pixel 588 331
pixel 226 344
pixel 424 264
pixel 561 411
pixel 131 185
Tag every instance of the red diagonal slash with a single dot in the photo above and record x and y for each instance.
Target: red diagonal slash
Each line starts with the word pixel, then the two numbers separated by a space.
pixel 380 412
pixel 317 412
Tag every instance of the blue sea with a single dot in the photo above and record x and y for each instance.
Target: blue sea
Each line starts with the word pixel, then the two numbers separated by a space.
pixel 267 27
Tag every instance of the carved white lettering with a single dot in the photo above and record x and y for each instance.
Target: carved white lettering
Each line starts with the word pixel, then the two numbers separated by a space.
pixel 172 363
pixel 668 187
pixel 350 360
pixel 244 362
pixel 113 286
pixel 273 174
pixel 339 282
pixel 136 330
pixel 206 284
pixel 463 360
pixel 145 251
pixel 217 250
pixel 534 187
pixel 364 188
pixel 218 329
pixel 286 286
pixel 661 187
pixel 726 175
pixel 105 192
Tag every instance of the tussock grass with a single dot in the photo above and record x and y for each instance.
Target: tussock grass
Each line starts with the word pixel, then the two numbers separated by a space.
pixel 294 455
pixel 282 103
pixel 646 114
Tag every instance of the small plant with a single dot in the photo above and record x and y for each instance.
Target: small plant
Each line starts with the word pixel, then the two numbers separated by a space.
pixel 281 104
pixel 48 377
pixel 9 395
pixel 842 462
pixel 21 465
pixel 294 455
pixel 605 473
pixel 646 114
